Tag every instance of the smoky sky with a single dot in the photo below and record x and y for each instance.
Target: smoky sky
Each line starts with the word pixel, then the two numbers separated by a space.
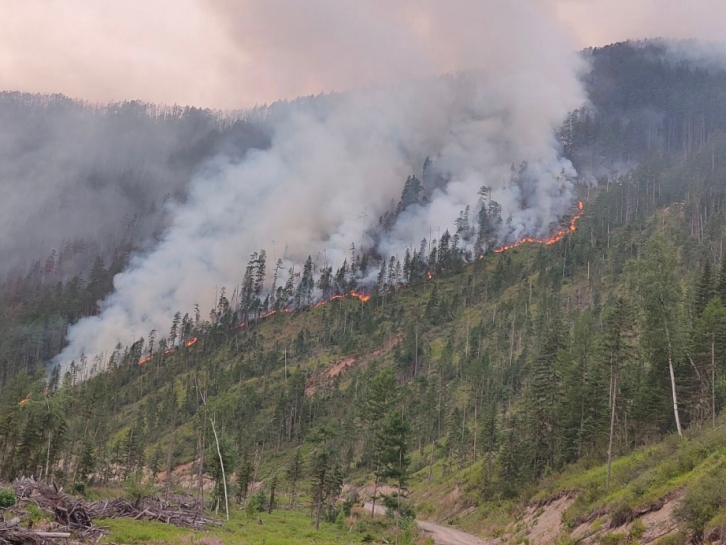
pixel 477 85
pixel 237 53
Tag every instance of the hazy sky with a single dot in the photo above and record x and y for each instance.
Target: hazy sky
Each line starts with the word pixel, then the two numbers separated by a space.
pixel 235 53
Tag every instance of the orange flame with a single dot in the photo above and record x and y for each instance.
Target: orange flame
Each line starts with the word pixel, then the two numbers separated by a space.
pixel 169 351
pixel 556 237
pixel 145 360
pixel 363 297
pixel 268 314
pixel 24 401
pixel 191 342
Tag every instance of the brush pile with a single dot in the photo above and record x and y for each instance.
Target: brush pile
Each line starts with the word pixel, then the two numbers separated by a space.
pixel 180 511
pixel 73 517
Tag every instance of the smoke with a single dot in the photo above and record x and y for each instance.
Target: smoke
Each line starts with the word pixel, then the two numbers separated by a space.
pixel 601 22
pixel 72 171
pixel 336 162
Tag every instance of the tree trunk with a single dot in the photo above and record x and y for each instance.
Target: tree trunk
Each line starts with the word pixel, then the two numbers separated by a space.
pixel 221 464
pixel 612 429
pixel 320 509
pixel 47 458
pixel 375 492
pixel 713 379
pixel 673 378
pixel 169 452
pixel 272 498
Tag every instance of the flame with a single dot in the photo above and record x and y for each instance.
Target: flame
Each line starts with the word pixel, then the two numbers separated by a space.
pixel 556 237
pixel 169 351
pixel 363 297
pixel 191 342
pixel 268 314
pixel 24 401
pixel 145 360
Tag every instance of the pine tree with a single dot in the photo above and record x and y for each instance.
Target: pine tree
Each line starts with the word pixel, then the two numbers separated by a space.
pixel 544 398
pixel 618 350
pixel 705 290
pixel 654 278
pixel 318 474
pixel 294 474
pixel 86 462
pixel 711 329
pixel 721 288
pixel 245 471
pixel 395 459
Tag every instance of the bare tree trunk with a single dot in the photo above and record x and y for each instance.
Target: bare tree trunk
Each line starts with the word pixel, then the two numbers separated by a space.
pixel 221 464
pixel 47 458
pixel 612 429
pixel 713 379
pixel 673 378
pixel 375 493
pixel 320 509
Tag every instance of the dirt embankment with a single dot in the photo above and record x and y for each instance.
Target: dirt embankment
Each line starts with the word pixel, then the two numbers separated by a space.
pixel 325 377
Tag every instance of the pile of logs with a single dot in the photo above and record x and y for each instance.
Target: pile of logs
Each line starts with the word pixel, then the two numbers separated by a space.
pixel 175 512
pixel 74 517
pixel 12 533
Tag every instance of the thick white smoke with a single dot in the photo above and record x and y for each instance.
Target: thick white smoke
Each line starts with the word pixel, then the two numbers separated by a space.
pixel 337 158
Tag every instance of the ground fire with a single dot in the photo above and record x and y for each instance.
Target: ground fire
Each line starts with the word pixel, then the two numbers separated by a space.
pixel 556 237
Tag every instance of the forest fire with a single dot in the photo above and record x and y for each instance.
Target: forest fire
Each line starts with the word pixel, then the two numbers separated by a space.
pixel 556 237
pixel 191 342
pixel 363 297
pixel 145 360
pixel 25 400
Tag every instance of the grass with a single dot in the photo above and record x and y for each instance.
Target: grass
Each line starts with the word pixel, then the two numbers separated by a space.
pixel 640 480
pixel 278 528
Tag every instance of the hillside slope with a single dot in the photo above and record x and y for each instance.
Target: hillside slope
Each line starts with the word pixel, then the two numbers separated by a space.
pixel 490 391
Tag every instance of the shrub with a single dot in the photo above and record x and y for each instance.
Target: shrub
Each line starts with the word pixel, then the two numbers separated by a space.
pixel 135 489
pixel 348 507
pixel 637 529
pixel 613 539
pixel 7 498
pixel 702 502
pixel 257 503
pixel 673 539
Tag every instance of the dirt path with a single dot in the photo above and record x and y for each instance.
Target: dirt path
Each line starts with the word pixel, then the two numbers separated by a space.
pixel 442 535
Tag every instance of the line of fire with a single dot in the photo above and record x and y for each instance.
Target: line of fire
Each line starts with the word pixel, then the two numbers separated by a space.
pixel 364 297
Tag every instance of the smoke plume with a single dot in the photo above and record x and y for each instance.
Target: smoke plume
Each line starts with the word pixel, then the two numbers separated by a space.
pixel 336 162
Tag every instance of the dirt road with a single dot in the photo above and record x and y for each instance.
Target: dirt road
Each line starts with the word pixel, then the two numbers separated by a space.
pixel 442 535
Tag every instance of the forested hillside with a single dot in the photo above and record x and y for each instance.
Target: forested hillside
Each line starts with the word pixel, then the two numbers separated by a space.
pixel 489 373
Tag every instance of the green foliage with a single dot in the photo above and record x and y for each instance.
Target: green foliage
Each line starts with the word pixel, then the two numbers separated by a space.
pixel 637 529
pixel 136 488
pixel 702 502
pixel 613 539
pixel 257 502
pixel 7 498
